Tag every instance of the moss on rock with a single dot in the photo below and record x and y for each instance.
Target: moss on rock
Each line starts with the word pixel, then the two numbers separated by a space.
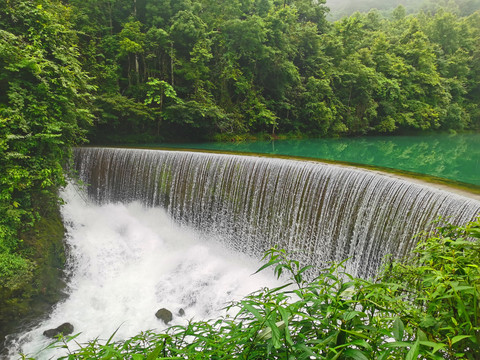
pixel 34 292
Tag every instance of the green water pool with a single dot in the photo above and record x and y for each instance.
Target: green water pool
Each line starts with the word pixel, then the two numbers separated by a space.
pixel 453 157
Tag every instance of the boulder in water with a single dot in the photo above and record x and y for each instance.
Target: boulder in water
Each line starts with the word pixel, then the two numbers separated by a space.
pixel 164 315
pixel 64 329
pixel 181 312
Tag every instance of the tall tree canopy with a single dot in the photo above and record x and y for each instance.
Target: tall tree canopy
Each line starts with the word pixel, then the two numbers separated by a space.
pixel 274 66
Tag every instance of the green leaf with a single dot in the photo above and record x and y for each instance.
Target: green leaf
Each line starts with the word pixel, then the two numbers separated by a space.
pixel 307 352
pixel 398 329
pixel 355 354
pixel 414 351
pixel 112 336
pixel 355 333
pixel 421 336
pixel 336 355
pixel 362 343
pixel 252 310
pixel 285 319
pixel 270 263
pixel 474 232
pixel 154 354
pixel 435 346
pixel 274 290
pixel 275 331
pixel 383 355
pixel 396 344
pixel 264 334
pixel 458 338
pixel 462 287
pixel 304 269
pixel 351 314
pixel 428 321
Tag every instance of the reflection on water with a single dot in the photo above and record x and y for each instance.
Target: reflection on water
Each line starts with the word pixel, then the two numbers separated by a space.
pixel 454 157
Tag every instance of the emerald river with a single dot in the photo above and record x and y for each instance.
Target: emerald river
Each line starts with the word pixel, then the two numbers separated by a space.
pixel 453 157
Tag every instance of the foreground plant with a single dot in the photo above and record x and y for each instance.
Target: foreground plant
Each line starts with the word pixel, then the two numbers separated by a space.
pixel 441 287
pixel 425 307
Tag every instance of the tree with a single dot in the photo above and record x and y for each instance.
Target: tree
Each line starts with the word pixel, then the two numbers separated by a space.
pixel 131 43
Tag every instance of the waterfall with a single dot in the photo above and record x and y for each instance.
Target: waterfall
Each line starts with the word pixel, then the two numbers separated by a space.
pixel 125 262
pixel 317 212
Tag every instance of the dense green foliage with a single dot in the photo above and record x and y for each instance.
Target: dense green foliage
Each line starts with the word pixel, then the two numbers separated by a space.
pixel 43 97
pixel 198 69
pixel 425 305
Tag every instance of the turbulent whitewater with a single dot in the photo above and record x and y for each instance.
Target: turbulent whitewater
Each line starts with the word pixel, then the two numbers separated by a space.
pixel 125 262
pixel 317 212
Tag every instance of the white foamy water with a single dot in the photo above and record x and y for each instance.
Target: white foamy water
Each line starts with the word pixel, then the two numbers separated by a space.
pixel 125 263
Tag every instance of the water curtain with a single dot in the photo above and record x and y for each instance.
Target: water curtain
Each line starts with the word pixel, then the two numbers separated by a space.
pixel 317 212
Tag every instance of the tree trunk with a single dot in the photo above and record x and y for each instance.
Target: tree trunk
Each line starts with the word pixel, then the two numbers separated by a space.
pixel 171 64
pixel 159 122
pixel 110 17
pixel 137 69
pixel 129 71
pixel 144 69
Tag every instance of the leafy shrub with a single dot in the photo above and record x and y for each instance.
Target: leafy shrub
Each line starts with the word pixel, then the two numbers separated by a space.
pixel 440 282
pixel 15 271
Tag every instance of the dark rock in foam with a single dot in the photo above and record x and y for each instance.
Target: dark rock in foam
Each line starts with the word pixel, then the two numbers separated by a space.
pixel 164 315
pixel 64 329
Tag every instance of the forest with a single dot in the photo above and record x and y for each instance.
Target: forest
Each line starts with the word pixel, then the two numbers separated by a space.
pixel 130 71
pixel 194 70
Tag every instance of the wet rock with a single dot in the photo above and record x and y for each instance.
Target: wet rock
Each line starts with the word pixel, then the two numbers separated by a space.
pixel 64 329
pixel 164 315
pixel 181 312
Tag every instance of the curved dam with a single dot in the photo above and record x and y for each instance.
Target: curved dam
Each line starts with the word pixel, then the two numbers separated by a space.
pixel 317 212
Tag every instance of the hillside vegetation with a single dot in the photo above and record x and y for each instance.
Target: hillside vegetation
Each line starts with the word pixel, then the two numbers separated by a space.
pixel 199 69
pixel 43 111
